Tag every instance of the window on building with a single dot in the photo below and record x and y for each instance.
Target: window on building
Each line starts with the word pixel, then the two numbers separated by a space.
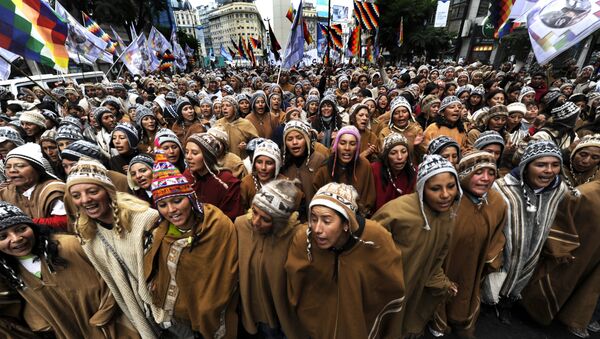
pixel 457 9
pixel 483 9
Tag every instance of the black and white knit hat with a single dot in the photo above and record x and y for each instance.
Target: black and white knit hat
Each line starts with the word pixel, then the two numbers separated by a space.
pixel 166 135
pixel 278 199
pixel 448 101
pixel 431 166
pixel 111 100
pixel 49 135
pixel 11 134
pixel 68 132
pixel 70 120
pixel 99 112
pixel 392 140
pixel 525 91
pixel 400 101
pixel 50 115
pixel 81 149
pixel 180 104
pixel 130 132
pixel 141 112
pixel 341 198
pixel 437 145
pixel 489 138
pixel 566 111
pixel 11 215
pixel 538 149
pixel 479 90
pixel 33 117
pixel 32 153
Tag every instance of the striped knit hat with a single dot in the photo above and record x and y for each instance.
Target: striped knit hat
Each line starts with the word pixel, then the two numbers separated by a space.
pixel 536 150
pixel 448 101
pixel 11 215
pixel 494 111
pixel 525 91
pixel 68 132
pixel 89 171
pixel 592 140
pixel 431 166
pixel 437 145
pixel 130 132
pixel 11 134
pixel 80 149
pixel 167 181
pixel 473 162
pixel 489 138
pixel 565 112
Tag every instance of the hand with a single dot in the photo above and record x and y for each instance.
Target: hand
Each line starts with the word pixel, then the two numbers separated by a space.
pixel 320 136
pixel 418 139
pixel 453 289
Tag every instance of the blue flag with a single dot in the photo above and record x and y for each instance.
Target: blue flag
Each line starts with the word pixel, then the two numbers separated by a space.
pixel 294 52
pixel 225 54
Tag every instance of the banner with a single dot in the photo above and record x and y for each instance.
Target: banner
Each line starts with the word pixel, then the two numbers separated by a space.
pixel 554 26
pixel 5 66
pixel 441 14
pixel 132 58
pixel 520 9
pixel 158 42
pixel 339 13
pixel 151 61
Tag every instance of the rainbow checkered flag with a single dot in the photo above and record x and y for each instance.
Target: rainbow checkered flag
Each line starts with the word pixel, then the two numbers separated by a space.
pixel 31 29
pixel 93 27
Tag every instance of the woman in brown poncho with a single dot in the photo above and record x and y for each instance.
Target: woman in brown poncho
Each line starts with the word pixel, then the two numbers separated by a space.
pixel 191 265
pixel 421 224
pixel 344 272
pixel 264 237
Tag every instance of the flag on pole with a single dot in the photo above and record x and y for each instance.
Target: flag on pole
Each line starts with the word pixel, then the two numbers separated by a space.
pixel 133 33
pixel 499 12
pixel 132 58
pixel 82 45
pixel 189 51
pixel 225 54
pixel 5 66
pixel 372 13
pixel 336 36
pixel 31 29
pixel 255 43
pixel 361 16
pixel 93 27
pixel 294 52
pixel 290 14
pixel 241 49
pixel 307 37
pixel 353 41
pixel 149 58
pixel 158 42
pixel 401 32
pixel 275 46
pixel 120 44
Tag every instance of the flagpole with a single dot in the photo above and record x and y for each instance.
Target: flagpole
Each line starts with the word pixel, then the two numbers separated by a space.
pixel 115 62
pixel 20 71
pixel 329 27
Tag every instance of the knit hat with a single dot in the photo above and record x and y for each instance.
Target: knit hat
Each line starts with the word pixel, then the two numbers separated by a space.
pixel 431 166
pixel 140 113
pixel 278 199
pixel 89 171
pixel 33 117
pixel 341 198
pixel 143 158
pixel 70 120
pixel 270 149
pixel 49 115
pixel 448 101
pixel 479 90
pixel 347 130
pixel 462 89
pixel 538 149
pixel 99 112
pixel 111 100
pixel 341 79
pixel 10 134
pixel 11 215
pixel 438 144
pixel 49 135
pixel 32 153
pixel 165 135
pixel 429 101
pixel 180 104
pixel 392 140
pixel 591 140
pixel 130 132
pixel 566 111
pixel 472 162
pixel 233 101
pixel 171 96
pixel 400 101
pixel 252 144
pixel 311 98
pixel 484 118
pixel 489 138
pixel 525 91
pixel 300 127
pixel 211 147
pixel 167 181
pixel 517 107
pixel 255 96
pixel 80 149
pixel 68 132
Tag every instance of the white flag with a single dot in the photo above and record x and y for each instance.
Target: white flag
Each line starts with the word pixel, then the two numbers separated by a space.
pixel 294 52
pixel 158 42
pixel 5 66
pixel 132 57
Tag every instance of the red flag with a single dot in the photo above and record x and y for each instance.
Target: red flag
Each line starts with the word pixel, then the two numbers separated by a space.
pixel 307 37
pixel 290 14
pixel 354 41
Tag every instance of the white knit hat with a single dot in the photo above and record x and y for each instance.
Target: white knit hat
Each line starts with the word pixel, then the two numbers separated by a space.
pixel 33 117
pixel 269 149
pixel 32 153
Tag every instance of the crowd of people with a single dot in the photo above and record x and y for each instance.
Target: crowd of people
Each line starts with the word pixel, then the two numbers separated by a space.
pixel 325 202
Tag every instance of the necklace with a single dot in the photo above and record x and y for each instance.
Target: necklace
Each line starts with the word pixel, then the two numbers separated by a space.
pixel 182 231
pixel 392 181
pixel 577 177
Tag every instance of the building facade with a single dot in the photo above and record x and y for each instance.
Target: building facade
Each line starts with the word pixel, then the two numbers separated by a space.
pixel 232 21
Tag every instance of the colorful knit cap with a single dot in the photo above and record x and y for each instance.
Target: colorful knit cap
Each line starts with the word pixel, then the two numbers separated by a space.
pixel 566 111
pixel 11 215
pixel 448 101
pixel 392 140
pixel 538 149
pixel 472 162
pixel 592 140
pixel 278 199
pixel 341 198
pixel 431 166
pixel 437 145
pixel 88 171
pixel 269 149
pixel 11 134
pixel 33 117
pixel 80 149
pixel 68 132
pixel 167 181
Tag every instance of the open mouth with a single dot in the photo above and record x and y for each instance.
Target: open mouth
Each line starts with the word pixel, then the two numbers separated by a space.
pixel 92 209
pixel 346 156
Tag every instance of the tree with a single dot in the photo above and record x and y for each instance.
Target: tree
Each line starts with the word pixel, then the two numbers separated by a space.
pixel 187 39
pixel 125 12
pixel 419 38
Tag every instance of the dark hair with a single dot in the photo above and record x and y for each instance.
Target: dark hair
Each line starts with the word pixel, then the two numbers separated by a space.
pixel 366 93
pixel 44 247
pixel 14 107
pixel 440 120
pixel 430 87
pixel 408 169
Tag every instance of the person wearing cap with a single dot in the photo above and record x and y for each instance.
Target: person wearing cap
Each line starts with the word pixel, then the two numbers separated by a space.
pixel 447 147
pixel 52 152
pixel 33 187
pixel 106 121
pixel 344 272
pixel 188 122
pixel 262 119
pixel 139 177
pixel 559 126
pixel 147 125
pixel 402 121
pixel 514 122
pixel 226 159
pixel 112 227
pixel 475 247
pixel 34 125
pixel 327 122
pixel 63 294
pixel 394 173
pixel 212 184
pixel 421 225
pixel 429 107
pixel 264 237
pixel 9 140
pixel 124 139
pixel 534 193
pixel 345 165
pixel 584 162
pixel 266 164
pixel 492 119
pixel 300 160
pixel 369 143
pixel 475 101
pixel 191 264
pixel 166 140
pixel 448 123
pixel 66 135
pixel 239 130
